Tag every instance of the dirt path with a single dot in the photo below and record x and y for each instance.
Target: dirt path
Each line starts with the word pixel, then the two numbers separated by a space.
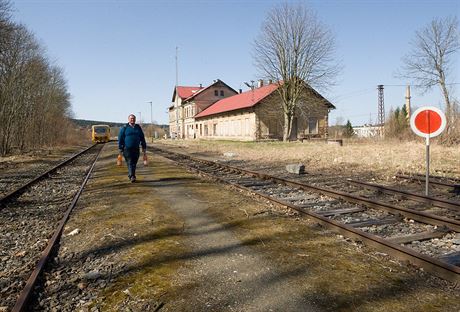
pixel 223 272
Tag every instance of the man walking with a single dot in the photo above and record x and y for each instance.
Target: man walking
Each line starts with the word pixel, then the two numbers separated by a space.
pixel 129 139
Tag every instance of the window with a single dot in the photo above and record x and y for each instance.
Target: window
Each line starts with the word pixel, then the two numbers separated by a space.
pixel 216 93
pixel 221 92
pixel 265 128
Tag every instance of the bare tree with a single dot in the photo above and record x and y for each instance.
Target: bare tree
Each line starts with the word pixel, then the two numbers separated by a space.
pixel 295 49
pixel 33 95
pixel 5 15
pixel 20 49
pixel 6 26
pixel 431 58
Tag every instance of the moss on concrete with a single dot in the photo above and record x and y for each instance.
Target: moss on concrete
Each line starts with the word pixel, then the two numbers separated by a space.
pixel 338 275
pixel 335 274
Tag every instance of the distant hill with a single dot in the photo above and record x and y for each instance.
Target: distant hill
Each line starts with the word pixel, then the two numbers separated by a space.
pixel 88 123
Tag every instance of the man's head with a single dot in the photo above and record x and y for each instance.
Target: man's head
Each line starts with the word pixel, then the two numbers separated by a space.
pixel 132 119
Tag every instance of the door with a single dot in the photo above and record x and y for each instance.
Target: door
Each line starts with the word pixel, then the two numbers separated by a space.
pixel 293 136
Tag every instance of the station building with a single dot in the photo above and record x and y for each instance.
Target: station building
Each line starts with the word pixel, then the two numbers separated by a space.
pixel 219 112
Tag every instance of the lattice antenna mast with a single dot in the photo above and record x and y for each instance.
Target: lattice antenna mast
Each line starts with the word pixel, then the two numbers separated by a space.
pixel 381 107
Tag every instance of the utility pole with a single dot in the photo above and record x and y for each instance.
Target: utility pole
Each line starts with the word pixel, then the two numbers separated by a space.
pixel 408 102
pixel 140 118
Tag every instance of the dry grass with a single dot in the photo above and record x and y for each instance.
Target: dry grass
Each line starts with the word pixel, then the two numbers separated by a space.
pixel 381 157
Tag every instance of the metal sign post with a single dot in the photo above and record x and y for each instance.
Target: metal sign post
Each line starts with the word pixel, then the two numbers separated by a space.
pixel 427 174
pixel 428 122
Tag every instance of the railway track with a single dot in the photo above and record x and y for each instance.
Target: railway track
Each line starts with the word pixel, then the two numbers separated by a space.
pixel 440 205
pixel 13 184
pixel 33 217
pixel 409 183
pixel 406 225
pixel 14 174
pixel 453 185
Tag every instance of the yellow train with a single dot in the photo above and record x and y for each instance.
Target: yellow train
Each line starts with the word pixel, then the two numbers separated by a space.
pixel 100 133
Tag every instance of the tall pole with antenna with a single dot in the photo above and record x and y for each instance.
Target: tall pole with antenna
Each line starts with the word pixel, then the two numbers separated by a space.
pixel 151 120
pixel 177 94
pixel 151 115
pixel 177 67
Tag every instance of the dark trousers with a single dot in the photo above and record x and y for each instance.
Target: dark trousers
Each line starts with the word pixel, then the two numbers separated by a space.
pixel 131 157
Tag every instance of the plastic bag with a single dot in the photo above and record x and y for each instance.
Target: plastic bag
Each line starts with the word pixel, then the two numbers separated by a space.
pixel 119 160
pixel 145 160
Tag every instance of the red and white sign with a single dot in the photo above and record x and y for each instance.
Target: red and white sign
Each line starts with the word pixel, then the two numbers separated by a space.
pixel 428 121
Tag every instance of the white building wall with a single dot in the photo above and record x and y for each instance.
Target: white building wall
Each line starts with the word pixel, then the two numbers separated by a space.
pixel 368 131
pixel 239 126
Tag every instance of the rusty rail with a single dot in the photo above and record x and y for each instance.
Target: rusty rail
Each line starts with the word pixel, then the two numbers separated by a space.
pixel 417 177
pixel 443 203
pixel 16 192
pixel 430 264
pixel 24 296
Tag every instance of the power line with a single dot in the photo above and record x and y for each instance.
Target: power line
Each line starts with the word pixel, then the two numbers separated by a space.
pixel 414 85
pixel 353 94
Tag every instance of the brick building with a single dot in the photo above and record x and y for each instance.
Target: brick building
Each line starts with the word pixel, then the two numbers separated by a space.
pixel 252 115
pixel 189 101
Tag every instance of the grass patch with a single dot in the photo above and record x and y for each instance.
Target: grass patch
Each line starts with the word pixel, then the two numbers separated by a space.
pixel 382 157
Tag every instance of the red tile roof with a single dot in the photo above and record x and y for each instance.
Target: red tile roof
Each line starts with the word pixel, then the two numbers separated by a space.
pixel 244 100
pixel 186 92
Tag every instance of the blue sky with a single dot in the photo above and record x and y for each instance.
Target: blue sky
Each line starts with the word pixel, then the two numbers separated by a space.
pixel 119 55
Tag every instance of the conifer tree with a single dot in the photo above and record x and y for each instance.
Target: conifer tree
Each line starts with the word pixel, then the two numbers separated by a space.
pixel 349 132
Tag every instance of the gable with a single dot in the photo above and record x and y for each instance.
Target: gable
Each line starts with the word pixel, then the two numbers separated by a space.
pixel 184 92
pixel 218 84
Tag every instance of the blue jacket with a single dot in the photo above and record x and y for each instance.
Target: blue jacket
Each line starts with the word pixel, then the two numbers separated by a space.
pixel 130 137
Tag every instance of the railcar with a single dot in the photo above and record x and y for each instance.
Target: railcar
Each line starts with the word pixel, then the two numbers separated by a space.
pixel 100 133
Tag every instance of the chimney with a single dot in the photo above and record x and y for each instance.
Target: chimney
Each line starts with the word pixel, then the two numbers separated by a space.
pixel 240 91
pixel 408 102
pixel 260 83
